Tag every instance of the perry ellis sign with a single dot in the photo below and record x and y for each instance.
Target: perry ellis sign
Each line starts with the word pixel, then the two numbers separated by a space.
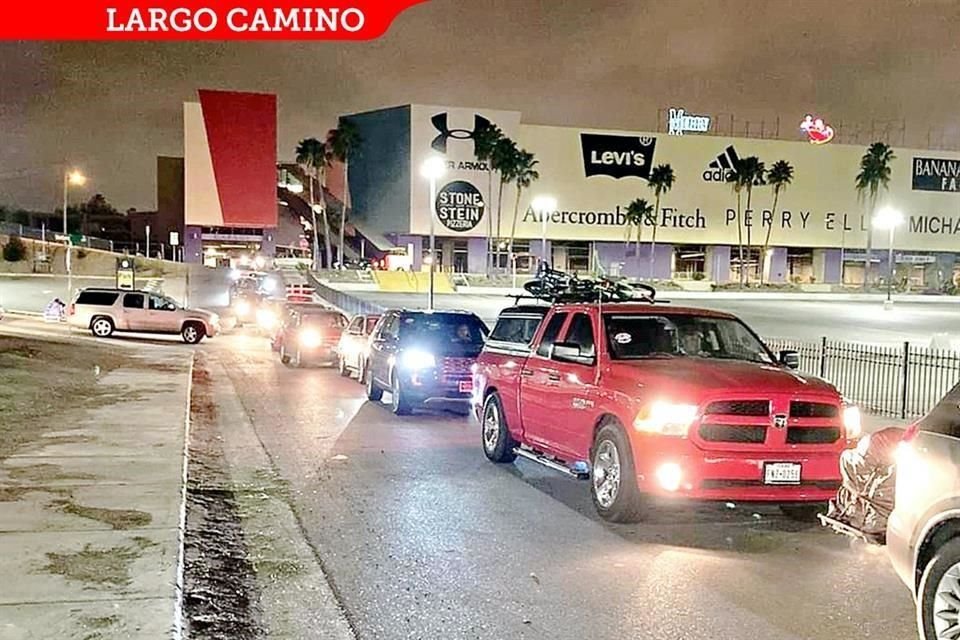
pixel 936 174
pixel 617 156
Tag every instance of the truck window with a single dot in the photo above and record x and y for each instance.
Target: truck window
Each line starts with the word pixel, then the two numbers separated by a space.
pixel 944 418
pixel 99 298
pixel 133 301
pixel 550 334
pixel 516 329
pixel 581 333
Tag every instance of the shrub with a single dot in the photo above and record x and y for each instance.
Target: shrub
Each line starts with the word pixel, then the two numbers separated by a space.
pixel 81 253
pixel 699 275
pixel 15 250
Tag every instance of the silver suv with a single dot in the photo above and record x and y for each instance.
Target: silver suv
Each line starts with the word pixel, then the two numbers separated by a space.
pixel 104 311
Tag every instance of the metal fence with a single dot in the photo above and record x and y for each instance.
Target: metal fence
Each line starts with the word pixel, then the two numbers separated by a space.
pixel 10 228
pixel 903 382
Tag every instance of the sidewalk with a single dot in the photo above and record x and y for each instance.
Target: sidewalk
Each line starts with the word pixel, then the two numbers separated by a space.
pixel 90 505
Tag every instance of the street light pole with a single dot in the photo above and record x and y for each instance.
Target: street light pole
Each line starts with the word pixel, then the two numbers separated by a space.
pixel 433 239
pixel 69 177
pixel 890 263
pixel 544 205
pixel 433 169
pixel 889 219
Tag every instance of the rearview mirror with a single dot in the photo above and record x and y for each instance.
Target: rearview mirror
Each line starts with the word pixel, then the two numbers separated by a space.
pixel 569 352
pixel 790 359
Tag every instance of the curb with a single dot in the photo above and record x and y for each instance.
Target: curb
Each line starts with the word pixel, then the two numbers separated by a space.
pixel 178 627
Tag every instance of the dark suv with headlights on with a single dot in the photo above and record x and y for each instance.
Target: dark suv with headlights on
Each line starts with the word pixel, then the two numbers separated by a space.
pixel 423 357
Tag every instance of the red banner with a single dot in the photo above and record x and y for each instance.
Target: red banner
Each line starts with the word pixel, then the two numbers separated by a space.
pixel 199 19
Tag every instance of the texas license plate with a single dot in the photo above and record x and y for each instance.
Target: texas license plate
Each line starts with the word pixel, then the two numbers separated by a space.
pixel 466 386
pixel 781 473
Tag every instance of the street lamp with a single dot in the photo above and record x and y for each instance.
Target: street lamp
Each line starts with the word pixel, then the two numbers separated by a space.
pixel 544 205
pixel 433 168
pixel 73 177
pixel 888 218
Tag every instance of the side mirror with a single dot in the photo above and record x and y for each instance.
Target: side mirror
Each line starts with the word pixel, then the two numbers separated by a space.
pixel 569 352
pixel 790 359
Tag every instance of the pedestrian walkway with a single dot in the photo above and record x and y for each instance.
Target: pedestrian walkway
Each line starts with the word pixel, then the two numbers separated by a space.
pixel 90 510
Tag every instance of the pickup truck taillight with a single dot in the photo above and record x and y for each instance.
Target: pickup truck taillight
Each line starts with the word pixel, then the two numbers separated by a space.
pixel 71 309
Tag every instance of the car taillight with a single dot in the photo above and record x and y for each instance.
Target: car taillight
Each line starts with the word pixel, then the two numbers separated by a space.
pixel 71 309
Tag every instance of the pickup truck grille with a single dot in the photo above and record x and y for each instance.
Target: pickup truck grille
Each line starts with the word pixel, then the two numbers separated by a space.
pixel 800 409
pixel 813 435
pixel 755 434
pixel 739 408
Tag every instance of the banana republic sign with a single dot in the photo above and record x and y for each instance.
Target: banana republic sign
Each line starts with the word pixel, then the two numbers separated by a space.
pixel 936 174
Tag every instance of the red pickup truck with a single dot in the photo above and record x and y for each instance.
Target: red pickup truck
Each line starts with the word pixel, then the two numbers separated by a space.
pixel 651 400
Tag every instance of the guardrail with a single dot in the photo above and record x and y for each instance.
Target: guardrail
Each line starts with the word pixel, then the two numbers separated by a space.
pixel 10 228
pixel 901 382
pixel 342 300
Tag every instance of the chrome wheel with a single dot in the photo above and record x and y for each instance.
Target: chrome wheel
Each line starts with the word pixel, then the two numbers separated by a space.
pixel 102 327
pixel 946 605
pixel 491 427
pixel 190 334
pixel 606 474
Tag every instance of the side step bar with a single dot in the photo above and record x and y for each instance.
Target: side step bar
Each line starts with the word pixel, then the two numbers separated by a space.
pixel 550 463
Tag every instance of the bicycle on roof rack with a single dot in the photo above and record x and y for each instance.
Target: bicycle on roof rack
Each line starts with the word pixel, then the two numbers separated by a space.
pixel 555 286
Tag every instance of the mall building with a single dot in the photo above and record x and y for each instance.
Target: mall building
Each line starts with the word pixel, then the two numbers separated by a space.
pixel 817 234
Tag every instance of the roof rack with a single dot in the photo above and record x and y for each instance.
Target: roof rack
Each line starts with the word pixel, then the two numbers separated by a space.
pixel 554 286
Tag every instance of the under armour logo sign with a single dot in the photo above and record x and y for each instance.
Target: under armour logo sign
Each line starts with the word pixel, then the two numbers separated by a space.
pixel 440 124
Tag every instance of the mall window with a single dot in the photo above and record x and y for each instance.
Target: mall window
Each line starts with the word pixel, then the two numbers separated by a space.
pixel 689 262
pixel 751 263
pixel 460 262
pixel 439 252
pixel 800 266
pixel 572 256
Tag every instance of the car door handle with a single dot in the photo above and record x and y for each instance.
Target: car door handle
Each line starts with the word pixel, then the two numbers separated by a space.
pixel 553 377
pixel 526 373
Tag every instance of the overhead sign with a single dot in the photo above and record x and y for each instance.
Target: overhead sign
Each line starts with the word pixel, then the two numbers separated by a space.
pixel 617 156
pixel 818 132
pixel 936 174
pixel 681 121
pixel 126 273
pixel 460 206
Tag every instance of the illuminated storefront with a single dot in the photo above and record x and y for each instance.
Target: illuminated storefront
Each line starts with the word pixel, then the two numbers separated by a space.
pixel 816 234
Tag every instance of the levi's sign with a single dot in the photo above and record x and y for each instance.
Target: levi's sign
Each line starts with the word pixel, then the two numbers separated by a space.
pixel 936 174
pixel 617 156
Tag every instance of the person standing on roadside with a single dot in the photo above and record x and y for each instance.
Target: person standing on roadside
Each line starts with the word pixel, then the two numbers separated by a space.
pixel 54 311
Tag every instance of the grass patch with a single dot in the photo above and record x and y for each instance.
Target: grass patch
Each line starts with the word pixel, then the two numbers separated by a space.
pixel 116 518
pixel 46 472
pixel 42 379
pixel 98 567
pixel 99 622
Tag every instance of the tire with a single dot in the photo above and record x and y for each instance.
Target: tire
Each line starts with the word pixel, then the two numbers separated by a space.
pixel 498 444
pixel 193 332
pixel 284 357
pixel 342 367
pixel 374 392
pixel 610 454
pixel 946 559
pixel 804 512
pixel 399 403
pixel 101 327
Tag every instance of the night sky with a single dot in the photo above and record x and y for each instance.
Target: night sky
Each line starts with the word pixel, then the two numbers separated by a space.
pixel 111 108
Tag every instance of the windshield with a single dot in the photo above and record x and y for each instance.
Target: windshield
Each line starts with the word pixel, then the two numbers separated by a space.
pixel 632 337
pixel 324 320
pixel 453 333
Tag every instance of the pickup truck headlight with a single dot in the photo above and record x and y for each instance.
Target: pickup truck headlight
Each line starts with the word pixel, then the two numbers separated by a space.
pixel 666 418
pixel 417 359
pixel 851 422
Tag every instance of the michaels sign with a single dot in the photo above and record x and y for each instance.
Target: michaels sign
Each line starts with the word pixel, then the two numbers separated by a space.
pixel 936 174
pixel 617 156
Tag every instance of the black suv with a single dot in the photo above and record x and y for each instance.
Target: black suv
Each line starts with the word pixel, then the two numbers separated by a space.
pixel 423 357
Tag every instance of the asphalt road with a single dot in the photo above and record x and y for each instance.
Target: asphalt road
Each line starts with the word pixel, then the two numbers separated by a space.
pixel 793 319
pixel 422 537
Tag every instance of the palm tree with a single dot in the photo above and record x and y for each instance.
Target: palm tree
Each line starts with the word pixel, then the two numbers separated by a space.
pixel 874 174
pixel 661 181
pixel 745 175
pixel 485 140
pixel 754 171
pixel 524 175
pixel 344 142
pixel 637 211
pixel 314 157
pixel 504 161
pixel 779 177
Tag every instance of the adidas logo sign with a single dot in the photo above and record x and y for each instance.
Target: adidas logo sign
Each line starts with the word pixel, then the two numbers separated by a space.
pixel 721 168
